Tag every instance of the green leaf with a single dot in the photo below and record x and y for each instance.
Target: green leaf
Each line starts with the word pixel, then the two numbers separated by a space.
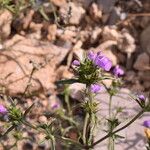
pixel 68 81
pixel 42 12
pixel 119 136
pixel 28 110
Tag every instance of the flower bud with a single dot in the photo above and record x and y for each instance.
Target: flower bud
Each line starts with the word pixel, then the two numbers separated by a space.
pixel 141 97
pixel 76 63
pixel 117 71
pixel 94 88
pixel 3 110
pixel 146 123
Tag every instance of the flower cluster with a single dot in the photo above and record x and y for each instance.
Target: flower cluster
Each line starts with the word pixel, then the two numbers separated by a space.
pixel 100 60
pixel 89 70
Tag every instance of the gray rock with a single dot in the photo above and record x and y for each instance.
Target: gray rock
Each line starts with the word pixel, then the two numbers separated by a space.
pixel 145 40
pixel 142 62
pixel 134 134
pixel 106 5
pixel 76 13
pixel 16 64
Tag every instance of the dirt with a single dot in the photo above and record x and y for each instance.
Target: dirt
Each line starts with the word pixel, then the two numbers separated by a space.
pixel 43 41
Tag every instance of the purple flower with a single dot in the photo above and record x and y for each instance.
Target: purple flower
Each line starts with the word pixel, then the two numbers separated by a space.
pixel 146 123
pixel 76 63
pixel 3 110
pixel 117 71
pixel 55 106
pixel 141 97
pixel 103 62
pixel 100 60
pixel 95 88
pixel 92 55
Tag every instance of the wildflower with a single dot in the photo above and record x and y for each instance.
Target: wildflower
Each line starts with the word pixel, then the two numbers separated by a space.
pixel 100 60
pixel 3 110
pixel 146 123
pixel 95 88
pixel 103 62
pixel 141 97
pixel 92 56
pixel 117 71
pixel 55 106
pixel 76 63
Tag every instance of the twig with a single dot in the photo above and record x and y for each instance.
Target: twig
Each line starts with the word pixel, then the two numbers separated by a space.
pixel 115 131
pixel 8 130
pixel 29 81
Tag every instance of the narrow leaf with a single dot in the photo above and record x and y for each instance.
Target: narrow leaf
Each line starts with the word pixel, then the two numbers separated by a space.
pixel 28 110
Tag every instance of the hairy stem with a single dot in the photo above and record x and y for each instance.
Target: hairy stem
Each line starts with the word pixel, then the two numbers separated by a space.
pixel 85 128
pixel 111 140
pixel 68 103
pixel 117 130
pixel 110 106
pixel 8 130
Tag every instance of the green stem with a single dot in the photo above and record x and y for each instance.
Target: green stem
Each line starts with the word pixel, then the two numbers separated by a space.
pixel 110 106
pixel 68 103
pixel 85 127
pixel 28 124
pixel 93 120
pixel 113 143
pixel 52 140
pixel 59 137
pixel 117 130
pixel 111 140
pixel 69 140
pixel 8 130
pixel 109 143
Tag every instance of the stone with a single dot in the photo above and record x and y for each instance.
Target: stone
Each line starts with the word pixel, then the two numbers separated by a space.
pixel 95 12
pixel 76 91
pixel 63 73
pixel 36 26
pixel 72 12
pixel 144 75
pixel 145 40
pixel 59 3
pixel 84 3
pixel 130 76
pixel 5 23
pixel 52 30
pixel 95 34
pixel 142 62
pixel 27 19
pixel 42 119
pixel 114 16
pixel 110 33
pixel 126 43
pixel 106 5
pixel 17 62
pixel 68 34
pixel 133 133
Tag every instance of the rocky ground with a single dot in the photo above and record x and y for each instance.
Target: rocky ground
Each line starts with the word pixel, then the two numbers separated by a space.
pixel 38 44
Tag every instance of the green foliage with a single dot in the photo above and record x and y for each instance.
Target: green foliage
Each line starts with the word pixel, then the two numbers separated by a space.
pixel 88 73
